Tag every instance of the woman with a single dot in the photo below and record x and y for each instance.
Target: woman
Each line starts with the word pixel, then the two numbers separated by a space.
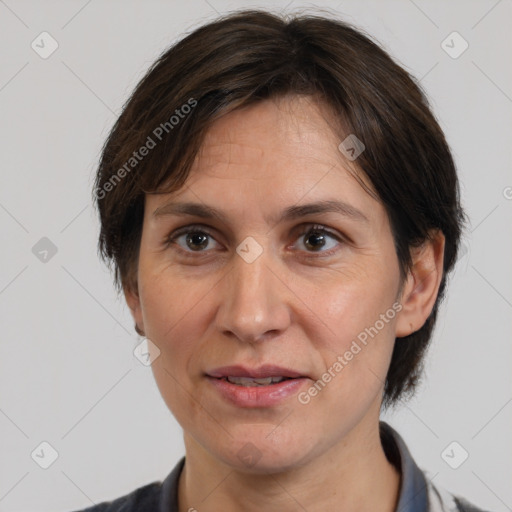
pixel 282 211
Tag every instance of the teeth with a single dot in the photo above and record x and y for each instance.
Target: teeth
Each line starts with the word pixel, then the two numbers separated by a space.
pixel 250 382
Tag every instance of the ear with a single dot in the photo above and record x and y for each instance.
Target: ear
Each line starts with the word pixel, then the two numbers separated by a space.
pixel 419 292
pixel 131 294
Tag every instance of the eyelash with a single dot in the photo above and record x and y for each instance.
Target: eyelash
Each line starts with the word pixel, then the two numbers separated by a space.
pixel 202 230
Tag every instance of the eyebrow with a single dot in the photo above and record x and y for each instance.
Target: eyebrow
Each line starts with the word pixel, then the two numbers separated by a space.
pixel 288 214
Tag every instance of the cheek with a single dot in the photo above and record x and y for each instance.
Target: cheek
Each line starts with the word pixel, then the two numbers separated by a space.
pixel 360 315
pixel 176 314
pixel 170 302
pixel 179 316
pixel 350 302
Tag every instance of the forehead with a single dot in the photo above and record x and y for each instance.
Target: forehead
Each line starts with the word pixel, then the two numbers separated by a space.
pixel 279 151
pixel 287 128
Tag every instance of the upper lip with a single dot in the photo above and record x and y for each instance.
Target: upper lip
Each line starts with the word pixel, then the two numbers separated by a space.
pixel 266 370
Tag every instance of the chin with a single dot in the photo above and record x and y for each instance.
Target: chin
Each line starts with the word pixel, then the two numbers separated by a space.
pixel 263 462
pixel 262 451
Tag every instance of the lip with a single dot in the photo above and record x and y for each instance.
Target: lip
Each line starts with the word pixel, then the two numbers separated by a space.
pixel 266 370
pixel 256 396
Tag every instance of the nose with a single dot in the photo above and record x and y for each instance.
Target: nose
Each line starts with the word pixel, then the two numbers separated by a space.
pixel 254 303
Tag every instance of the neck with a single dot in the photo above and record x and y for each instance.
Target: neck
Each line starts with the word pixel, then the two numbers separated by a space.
pixel 353 475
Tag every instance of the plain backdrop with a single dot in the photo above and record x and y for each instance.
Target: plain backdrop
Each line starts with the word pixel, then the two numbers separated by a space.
pixel 68 376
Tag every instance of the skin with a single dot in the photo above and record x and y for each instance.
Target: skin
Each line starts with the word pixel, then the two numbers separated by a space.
pixel 292 306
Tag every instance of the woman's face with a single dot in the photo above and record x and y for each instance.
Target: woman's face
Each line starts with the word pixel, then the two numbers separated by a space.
pixel 256 288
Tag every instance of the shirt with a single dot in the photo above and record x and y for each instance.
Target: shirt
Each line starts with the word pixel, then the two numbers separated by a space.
pixel 417 492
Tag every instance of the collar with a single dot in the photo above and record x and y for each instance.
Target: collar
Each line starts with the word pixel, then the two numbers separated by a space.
pixel 413 495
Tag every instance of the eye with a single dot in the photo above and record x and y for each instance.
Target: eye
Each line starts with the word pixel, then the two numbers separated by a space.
pixel 190 239
pixel 316 238
pixel 197 239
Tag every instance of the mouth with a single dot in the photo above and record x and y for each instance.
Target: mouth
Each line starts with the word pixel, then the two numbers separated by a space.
pixel 253 382
pixel 264 375
pixel 265 386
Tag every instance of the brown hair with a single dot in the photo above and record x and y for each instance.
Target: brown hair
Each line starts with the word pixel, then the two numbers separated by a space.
pixel 251 55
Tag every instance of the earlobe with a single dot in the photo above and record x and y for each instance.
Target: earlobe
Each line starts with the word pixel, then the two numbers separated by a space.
pixel 420 290
pixel 132 298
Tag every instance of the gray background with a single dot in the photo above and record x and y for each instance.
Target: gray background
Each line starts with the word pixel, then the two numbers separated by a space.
pixel 68 375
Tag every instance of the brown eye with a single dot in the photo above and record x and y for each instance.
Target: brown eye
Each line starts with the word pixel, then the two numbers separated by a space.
pixel 316 238
pixel 191 239
pixel 196 240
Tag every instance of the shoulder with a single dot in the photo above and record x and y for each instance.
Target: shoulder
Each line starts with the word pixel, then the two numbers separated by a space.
pixel 465 506
pixel 143 499
pixel 441 500
pixel 149 498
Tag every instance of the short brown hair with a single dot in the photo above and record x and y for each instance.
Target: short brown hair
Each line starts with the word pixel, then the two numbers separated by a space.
pixel 251 55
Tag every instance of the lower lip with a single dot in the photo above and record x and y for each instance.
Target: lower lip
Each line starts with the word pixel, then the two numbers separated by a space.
pixel 257 396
